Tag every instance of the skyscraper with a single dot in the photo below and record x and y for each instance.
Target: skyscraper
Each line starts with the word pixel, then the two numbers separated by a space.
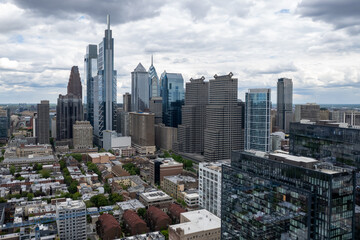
pixel 105 86
pixel 69 107
pixel 90 61
pixel 42 123
pixel 154 80
pixel 127 102
pixel 191 131
pixel 172 93
pixel 309 111
pixel 224 119
pixel 140 89
pixel 280 196
pixel 4 124
pixel 284 103
pixel 257 119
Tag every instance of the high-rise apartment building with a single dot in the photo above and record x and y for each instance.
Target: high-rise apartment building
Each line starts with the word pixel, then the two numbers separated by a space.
pixel 154 81
pixel 105 87
pixel 330 142
pixel 140 89
pixel 224 119
pixel 309 111
pixel 69 107
pixel 284 103
pixel 142 132
pixel 257 119
pixel 280 196
pixel 42 122
pixel 90 61
pixel 210 186
pixel 172 93
pixel 191 130
pixel 127 102
pixel 71 219
pixel 156 108
pixel 83 135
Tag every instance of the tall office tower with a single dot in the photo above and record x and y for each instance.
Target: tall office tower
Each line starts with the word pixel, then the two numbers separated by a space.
pixel 90 61
pixel 191 131
pixel 74 86
pixel 172 93
pixel 284 103
pixel 224 119
pixel 4 124
pixel 42 123
pixel 142 132
pixel 127 102
pixel 326 141
pixel 71 219
pixel 280 196
pixel 309 111
pixel 69 107
pixel 153 80
pixel 105 87
pixel 210 186
pixel 257 119
pixel 156 108
pixel 140 89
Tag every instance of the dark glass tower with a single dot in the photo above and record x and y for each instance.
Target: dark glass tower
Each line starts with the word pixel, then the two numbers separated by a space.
pixel 191 130
pixel 42 123
pixel 284 103
pixel 69 107
pixel 279 196
pixel 105 97
pixel 90 61
pixel 172 93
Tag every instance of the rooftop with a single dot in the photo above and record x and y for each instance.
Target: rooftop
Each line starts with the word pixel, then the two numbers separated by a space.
pixel 200 220
pixel 96 155
pixel 215 166
pixel 70 204
pixel 155 196
pixel 180 178
pixel 131 204
pixel 295 158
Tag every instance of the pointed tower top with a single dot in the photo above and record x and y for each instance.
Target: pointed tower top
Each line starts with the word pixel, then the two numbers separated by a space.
pixel 152 59
pixel 108 21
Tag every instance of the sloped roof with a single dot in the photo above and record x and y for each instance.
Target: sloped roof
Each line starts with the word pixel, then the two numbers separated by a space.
pixel 140 68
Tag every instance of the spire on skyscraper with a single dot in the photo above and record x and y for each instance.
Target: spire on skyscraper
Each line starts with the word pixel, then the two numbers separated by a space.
pixel 152 59
pixel 74 86
pixel 108 21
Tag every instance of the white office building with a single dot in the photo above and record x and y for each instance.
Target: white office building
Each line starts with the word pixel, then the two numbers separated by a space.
pixel 71 219
pixel 210 186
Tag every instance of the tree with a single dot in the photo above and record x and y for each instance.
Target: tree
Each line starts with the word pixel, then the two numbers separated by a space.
pixel 165 232
pixel 62 164
pixel 2 151
pixel 30 196
pixel 107 188
pixel 45 173
pixel 37 167
pixel 115 197
pixel 73 187
pixel 76 196
pixel 141 212
pixel 99 200
pixel 12 170
pixel 166 154
pixel 2 200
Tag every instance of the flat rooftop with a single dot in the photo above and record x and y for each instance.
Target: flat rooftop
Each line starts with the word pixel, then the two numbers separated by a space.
pixel 155 196
pixel 96 155
pixel 295 158
pixel 131 204
pixel 199 220
pixel 180 178
pixel 71 204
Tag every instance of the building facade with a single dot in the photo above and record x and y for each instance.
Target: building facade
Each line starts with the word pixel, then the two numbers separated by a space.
pixel 284 103
pixel 83 135
pixel 309 111
pixel 156 108
pixel 42 123
pixel 257 119
pixel 142 132
pixel 140 89
pixel 210 186
pixel 172 93
pixel 280 196
pixel 165 137
pixel 4 124
pixel 127 102
pixel 154 81
pixel 71 219
pixel 105 88
pixel 162 167
pixel 191 131
pixel 90 63
pixel 326 142
pixel 224 119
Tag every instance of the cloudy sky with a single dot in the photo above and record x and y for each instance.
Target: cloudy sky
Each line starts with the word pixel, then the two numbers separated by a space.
pixel 314 42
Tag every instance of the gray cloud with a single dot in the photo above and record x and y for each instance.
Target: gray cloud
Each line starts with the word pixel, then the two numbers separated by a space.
pixel 121 11
pixel 342 14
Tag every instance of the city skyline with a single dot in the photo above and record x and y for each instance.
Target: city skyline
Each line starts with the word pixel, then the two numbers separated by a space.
pixel 312 42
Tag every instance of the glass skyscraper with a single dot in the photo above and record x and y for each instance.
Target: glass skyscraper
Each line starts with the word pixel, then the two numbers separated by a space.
pixel 90 62
pixel 140 89
pixel 153 81
pixel 257 119
pixel 284 103
pixel 105 98
pixel 172 93
pixel 280 196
